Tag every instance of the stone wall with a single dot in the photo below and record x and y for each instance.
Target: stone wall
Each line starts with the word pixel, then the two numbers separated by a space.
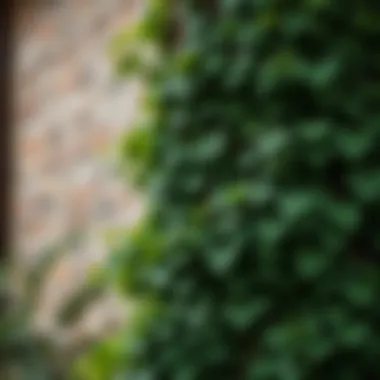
pixel 69 112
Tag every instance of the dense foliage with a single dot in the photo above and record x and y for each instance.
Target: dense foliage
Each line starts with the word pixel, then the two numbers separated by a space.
pixel 24 354
pixel 27 354
pixel 258 257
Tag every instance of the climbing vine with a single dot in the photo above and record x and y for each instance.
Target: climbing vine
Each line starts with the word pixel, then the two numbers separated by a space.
pixel 257 258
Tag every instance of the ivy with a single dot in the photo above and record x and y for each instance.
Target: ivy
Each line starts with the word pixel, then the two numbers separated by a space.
pixel 260 161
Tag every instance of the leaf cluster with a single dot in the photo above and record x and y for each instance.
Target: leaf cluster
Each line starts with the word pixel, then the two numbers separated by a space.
pixel 262 168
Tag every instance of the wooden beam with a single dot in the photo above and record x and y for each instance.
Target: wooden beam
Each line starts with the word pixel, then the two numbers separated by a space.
pixel 5 123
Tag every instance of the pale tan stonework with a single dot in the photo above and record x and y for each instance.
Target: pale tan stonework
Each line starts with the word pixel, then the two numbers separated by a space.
pixel 70 111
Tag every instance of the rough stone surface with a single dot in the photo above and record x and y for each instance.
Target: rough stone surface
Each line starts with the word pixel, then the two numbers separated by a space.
pixel 69 112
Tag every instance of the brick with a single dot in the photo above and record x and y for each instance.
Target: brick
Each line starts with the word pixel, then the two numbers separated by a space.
pixel 69 112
